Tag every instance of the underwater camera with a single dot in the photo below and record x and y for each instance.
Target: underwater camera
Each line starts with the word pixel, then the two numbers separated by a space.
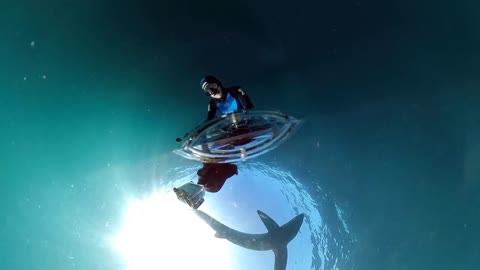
pixel 191 194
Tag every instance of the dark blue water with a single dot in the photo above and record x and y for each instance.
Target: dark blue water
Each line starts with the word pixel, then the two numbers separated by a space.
pixel 93 94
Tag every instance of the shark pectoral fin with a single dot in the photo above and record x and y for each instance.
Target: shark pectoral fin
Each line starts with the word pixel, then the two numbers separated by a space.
pixel 220 235
pixel 281 255
pixel 268 221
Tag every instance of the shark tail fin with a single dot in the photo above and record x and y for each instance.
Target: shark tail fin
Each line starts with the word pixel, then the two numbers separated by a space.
pixel 281 255
pixel 268 221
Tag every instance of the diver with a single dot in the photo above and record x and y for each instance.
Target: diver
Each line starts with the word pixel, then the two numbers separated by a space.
pixel 224 100
pixel 212 176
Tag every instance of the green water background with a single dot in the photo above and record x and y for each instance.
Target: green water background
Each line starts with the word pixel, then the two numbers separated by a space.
pixel 391 92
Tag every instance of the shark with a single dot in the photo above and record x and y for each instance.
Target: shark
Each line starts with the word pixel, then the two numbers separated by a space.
pixel 276 238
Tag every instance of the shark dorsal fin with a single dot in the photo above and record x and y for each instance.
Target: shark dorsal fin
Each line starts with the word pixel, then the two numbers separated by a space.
pixel 268 221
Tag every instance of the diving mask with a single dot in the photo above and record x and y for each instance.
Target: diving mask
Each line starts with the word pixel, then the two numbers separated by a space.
pixel 211 89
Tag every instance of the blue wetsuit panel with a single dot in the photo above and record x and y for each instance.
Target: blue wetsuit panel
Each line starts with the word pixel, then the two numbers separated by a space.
pixel 229 105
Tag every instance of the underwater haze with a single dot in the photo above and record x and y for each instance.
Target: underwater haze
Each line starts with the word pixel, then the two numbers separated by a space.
pixel 385 166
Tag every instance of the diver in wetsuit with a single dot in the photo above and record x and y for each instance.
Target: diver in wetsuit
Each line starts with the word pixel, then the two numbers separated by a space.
pixel 224 100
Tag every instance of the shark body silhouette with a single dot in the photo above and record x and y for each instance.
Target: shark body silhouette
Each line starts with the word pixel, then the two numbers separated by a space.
pixel 276 239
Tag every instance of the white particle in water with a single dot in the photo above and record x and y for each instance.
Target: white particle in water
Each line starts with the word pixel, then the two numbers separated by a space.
pixel 32 44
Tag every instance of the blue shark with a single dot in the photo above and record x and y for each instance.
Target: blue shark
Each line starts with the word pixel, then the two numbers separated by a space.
pixel 276 239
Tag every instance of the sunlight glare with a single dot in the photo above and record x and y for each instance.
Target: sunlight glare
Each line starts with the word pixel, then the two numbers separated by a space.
pixel 160 232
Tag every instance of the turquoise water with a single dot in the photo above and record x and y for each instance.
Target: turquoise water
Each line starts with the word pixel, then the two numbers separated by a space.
pixel 386 165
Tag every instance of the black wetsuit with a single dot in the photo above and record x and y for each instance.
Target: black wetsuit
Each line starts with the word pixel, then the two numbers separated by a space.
pixel 214 175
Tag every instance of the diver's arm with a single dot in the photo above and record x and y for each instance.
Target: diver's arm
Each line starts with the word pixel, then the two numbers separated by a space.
pixel 243 98
pixel 212 110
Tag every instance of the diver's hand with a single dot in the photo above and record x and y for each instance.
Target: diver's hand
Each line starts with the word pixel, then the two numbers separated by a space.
pixel 179 140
